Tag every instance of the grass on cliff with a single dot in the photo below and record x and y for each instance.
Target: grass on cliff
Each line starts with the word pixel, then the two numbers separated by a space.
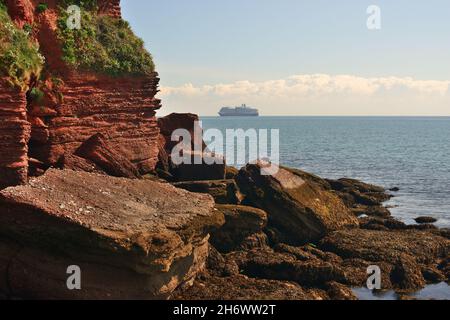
pixel 19 56
pixel 103 44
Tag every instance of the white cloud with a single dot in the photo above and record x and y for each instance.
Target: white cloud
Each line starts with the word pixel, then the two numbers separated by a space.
pixel 317 94
pixel 315 84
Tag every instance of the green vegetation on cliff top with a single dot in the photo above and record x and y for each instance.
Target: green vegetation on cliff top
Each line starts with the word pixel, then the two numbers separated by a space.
pixel 19 56
pixel 103 44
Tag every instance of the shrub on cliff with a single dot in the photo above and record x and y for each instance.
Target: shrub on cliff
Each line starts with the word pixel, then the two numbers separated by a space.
pixel 103 44
pixel 19 56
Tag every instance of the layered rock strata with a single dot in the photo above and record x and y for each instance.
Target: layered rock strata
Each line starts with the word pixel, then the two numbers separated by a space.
pixel 132 239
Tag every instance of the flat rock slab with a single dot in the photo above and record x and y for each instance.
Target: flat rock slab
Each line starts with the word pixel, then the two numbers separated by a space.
pixel 143 232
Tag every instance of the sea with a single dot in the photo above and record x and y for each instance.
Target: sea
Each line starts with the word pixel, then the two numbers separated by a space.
pixel 409 153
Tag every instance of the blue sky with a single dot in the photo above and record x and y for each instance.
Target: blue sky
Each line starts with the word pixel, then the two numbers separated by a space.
pixel 208 52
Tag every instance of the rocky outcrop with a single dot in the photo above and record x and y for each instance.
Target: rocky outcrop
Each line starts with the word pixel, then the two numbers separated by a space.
pixel 201 164
pixel 14 136
pixel 97 150
pixel 68 106
pixel 129 237
pixel 299 210
pixel 122 110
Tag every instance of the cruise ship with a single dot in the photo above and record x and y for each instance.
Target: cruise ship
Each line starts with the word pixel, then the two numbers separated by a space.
pixel 242 111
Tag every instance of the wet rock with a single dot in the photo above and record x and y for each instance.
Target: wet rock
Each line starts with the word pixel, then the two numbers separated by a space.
pixel 256 240
pixel 357 194
pixel 219 265
pixel 395 189
pixel 98 150
pixel 444 232
pixel 372 211
pixel 432 274
pixel 407 275
pixel 241 223
pixel 357 275
pixel 299 211
pixel 338 291
pixel 267 264
pixel 426 227
pixel 240 287
pixel 209 167
pixel 444 267
pixel 231 172
pixel 381 224
pixel 223 191
pixel 132 239
pixel 387 246
pixel 308 252
pixel 425 220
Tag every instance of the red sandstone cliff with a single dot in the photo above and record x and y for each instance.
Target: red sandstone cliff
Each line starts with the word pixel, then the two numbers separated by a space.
pixel 83 104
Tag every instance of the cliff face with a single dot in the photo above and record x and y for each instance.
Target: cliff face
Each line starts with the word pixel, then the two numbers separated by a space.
pixel 14 135
pixel 55 114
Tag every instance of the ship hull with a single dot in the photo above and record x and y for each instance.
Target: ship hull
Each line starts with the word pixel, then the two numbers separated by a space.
pixel 238 115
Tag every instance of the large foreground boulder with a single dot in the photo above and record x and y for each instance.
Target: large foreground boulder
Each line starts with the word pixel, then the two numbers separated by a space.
pixel 299 210
pixel 132 239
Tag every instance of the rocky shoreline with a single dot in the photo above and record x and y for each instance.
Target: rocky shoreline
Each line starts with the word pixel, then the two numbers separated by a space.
pixel 87 181
pixel 292 236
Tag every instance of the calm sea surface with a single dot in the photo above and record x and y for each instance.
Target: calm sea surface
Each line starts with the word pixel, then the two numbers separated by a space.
pixel 410 153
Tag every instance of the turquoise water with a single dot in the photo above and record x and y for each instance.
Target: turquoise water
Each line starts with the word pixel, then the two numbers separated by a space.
pixel 410 153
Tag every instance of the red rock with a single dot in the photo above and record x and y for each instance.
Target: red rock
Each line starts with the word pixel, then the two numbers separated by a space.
pixel 177 121
pixel 132 239
pixel 192 171
pixel 98 150
pixel 21 11
pixel 75 163
pixel 123 109
pixel 109 7
pixel 14 136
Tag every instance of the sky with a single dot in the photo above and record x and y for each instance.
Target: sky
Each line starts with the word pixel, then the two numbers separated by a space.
pixel 298 57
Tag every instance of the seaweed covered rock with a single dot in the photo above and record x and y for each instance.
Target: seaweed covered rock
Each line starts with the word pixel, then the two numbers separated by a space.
pixel 242 225
pixel 132 239
pixel 240 287
pixel 299 210
pixel 370 245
